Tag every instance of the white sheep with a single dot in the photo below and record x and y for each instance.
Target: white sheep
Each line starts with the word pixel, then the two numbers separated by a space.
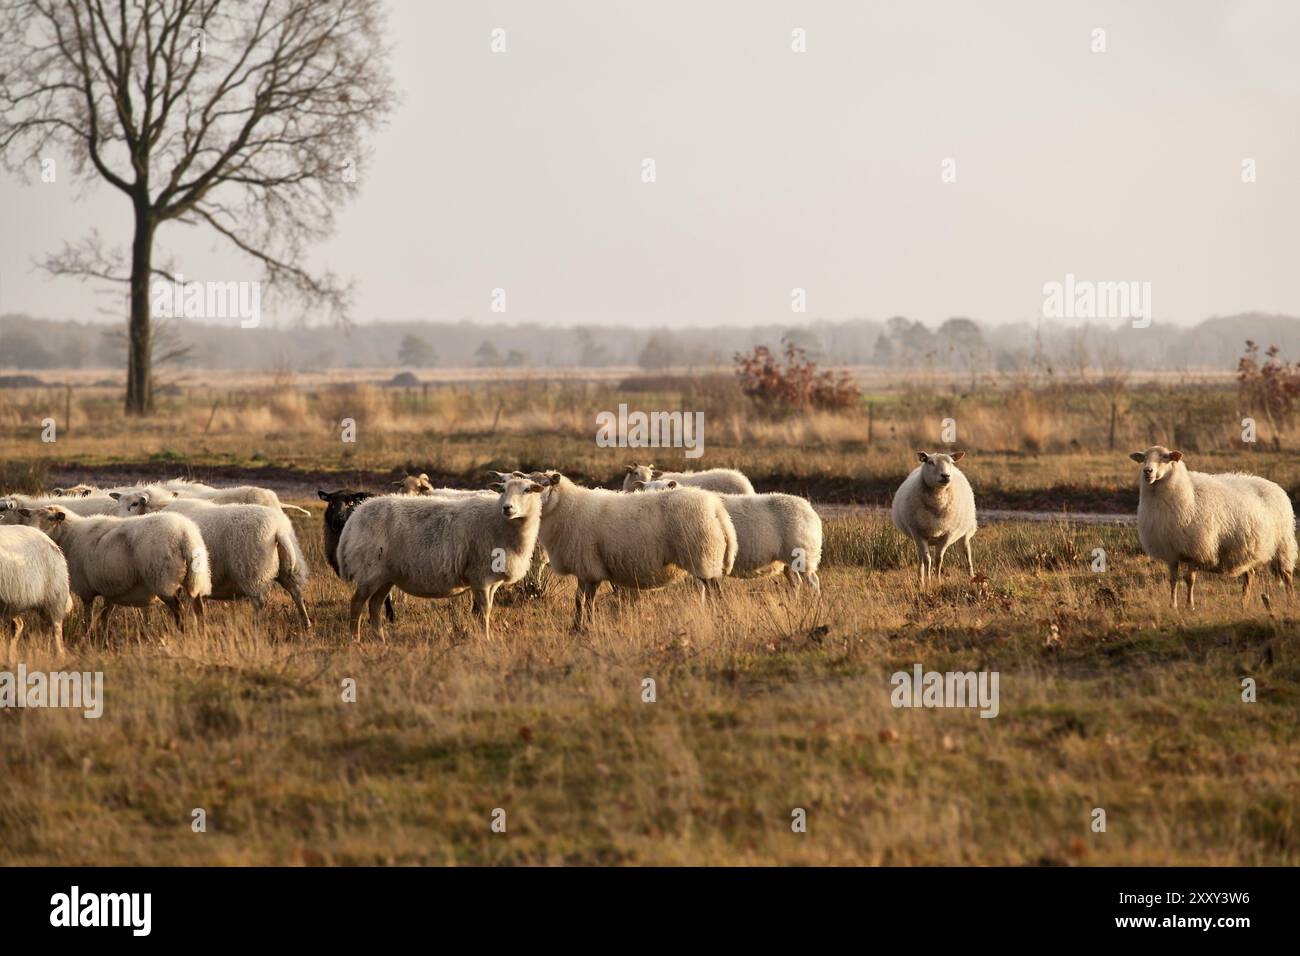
pixel 722 480
pixel 773 532
pixel 638 541
pixel 437 547
pixel 87 506
pixel 414 485
pixel 33 577
pixel 1229 524
pixel 935 507
pixel 236 495
pixel 250 547
pixel 130 562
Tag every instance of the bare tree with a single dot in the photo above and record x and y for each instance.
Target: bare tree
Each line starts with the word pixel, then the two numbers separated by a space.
pixel 244 116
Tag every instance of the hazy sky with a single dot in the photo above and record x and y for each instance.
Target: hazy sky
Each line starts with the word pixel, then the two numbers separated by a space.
pixel 778 169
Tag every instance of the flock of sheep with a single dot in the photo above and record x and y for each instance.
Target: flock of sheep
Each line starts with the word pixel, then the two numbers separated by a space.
pixel 181 542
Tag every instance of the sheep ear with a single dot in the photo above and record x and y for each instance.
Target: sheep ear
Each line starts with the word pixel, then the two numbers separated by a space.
pixel 1138 456
pixel 672 483
pixel 497 486
pixel 639 485
pixel 115 495
pixel 922 456
pixel 57 514
pixel 58 492
pixel 1175 456
pixel 423 476
pixel 656 474
pixel 398 484
pixel 534 488
pixel 630 468
pixel 323 495
pixel 25 512
pixel 959 456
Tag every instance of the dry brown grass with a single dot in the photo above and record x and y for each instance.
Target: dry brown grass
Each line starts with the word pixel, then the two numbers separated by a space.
pixel 765 705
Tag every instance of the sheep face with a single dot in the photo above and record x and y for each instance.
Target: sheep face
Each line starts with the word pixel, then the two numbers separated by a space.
pixel 340 506
pixel 76 491
pixel 937 470
pixel 549 481
pixel 657 485
pixel 1158 463
pixel 48 519
pixel 415 485
pixel 519 498
pixel 132 504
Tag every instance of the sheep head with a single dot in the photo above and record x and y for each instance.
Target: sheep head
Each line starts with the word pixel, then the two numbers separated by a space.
pixel 937 469
pixel 1158 463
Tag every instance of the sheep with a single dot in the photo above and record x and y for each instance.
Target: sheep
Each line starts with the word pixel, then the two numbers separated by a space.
pixel 721 480
pixel 250 547
pixel 412 485
pixel 237 495
pixel 74 491
pixel 935 507
pixel 1231 524
pixel 339 506
pixel 130 562
pixel 633 541
pixel 33 577
pixel 438 547
pixel 86 507
pixel 773 532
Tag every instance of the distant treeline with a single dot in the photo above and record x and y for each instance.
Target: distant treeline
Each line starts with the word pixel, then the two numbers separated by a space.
pixel 28 343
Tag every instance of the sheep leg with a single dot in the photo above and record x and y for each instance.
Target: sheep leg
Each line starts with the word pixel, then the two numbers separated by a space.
pixel 1246 580
pixel 942 549
pixel 174 605
pixel 1191 588
pixel 1173 584
pixel 970 559
pixel 589 593
pixel 200 615
pixel 101 625
pixel 483 608
pixel 57 628
pixel 388 609
pixel 922 562
pixel 812 579
pixel 87 616
pixel 356 612
pixel 17 626
pixel 577 607
pixel 295 592
pixel 376 605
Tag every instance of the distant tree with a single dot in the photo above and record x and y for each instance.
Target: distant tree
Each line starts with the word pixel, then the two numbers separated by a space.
pixel 805 341
pixel 591 354
pixel 416 352
pixel 21 349
pixel 883 353
pixel 516 358
pixel 662 350
pixel 486 355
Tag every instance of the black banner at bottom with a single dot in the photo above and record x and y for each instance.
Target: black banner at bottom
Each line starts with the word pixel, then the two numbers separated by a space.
pixel 604 905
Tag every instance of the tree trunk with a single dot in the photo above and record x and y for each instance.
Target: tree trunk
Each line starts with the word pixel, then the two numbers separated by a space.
pixel 139 362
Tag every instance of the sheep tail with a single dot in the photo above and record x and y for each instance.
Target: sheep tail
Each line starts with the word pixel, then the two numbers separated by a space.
pixel 198 576
pixel 291 559
pixel 729 534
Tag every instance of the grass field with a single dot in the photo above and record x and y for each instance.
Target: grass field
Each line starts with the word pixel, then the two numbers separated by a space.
pixel 1108 699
